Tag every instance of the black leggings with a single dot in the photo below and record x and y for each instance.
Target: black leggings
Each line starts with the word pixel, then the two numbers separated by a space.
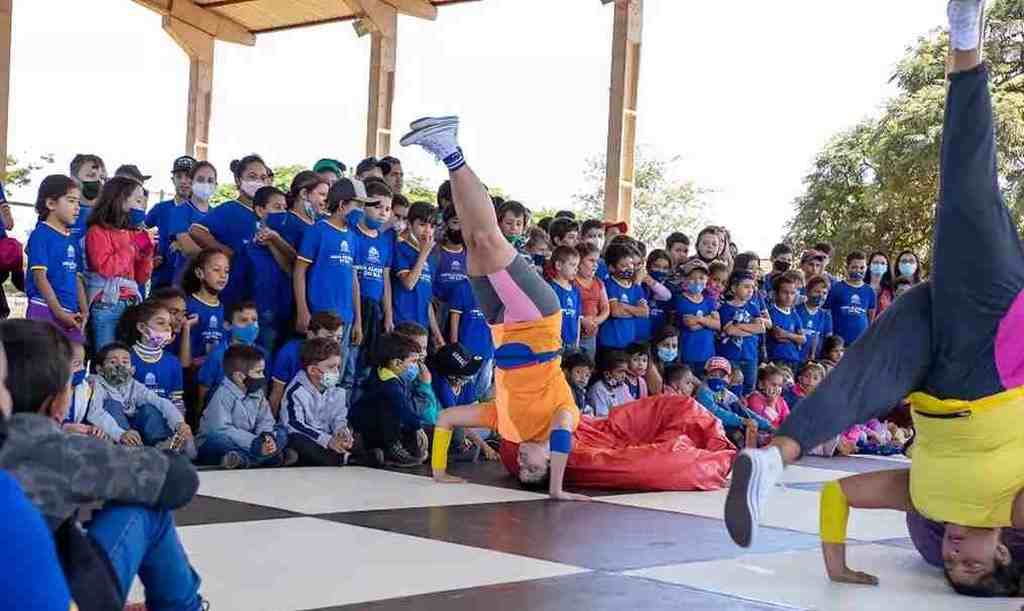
pixel 940 337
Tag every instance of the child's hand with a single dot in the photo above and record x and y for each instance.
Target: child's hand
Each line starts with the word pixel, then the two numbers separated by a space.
pixel 131 438
pixel 357 335
pixel 97 433
pixel 269 446
pixel 185 431
pixel 78 429
pixel 848 575
pixel 490 454
pixel 191 321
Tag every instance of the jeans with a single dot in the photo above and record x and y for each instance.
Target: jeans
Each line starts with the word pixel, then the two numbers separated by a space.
pixel 144 542
pixel 217 445
pixel 346 349
pixel 484 380
pixel 103 319
pixel 312 454
pixel 148 421
pixel 749 369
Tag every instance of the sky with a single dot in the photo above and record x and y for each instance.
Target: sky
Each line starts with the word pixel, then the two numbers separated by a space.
pixel 745 93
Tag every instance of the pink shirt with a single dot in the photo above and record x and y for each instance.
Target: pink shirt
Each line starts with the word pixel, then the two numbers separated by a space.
pixel 775 413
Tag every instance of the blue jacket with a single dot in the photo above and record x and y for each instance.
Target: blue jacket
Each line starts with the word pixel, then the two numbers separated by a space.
pixel 384 388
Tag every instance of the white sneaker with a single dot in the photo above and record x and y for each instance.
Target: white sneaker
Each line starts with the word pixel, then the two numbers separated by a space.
pixel 438 137
pixel 966 21
pixel 428 121
pixel 754 475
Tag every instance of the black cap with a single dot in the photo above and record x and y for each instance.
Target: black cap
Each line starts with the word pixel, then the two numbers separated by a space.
pixel 132 171
pixel 455 360
pixel 185 163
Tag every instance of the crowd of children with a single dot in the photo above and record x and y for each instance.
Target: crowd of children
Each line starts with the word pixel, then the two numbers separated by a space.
pixel 331 323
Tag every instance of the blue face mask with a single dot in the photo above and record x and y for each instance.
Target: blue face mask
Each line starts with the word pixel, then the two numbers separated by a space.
pixel 877 269
pixel 716 384
pixel 354 216
pixel 659 277
pixel 78 377
pixel 137 218
pixel 410 373
pixel 372 223
pixel 908 269
pixel 856 275
pixel 247 334
pixel 667 355
pixel 695 287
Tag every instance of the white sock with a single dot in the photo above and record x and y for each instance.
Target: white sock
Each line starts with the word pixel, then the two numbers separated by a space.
pixel 964 24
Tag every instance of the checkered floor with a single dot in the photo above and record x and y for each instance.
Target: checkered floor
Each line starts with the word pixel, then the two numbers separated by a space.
pixel 355 538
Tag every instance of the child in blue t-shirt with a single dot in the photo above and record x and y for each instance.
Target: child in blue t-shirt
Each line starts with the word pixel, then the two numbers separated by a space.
pixel 566 261
pixel 374 255
pixel 204 279
pixel 815 319
pixel 413 271
pixel 627 300
pixel 851 301
pixel 54 285
pixel 146 328
pixel 288 360
pixel 659 295
pixel 786 338
pixel 697 317
pixel 454 367
pixel 742 327
pixel 241 326
pixel 468 326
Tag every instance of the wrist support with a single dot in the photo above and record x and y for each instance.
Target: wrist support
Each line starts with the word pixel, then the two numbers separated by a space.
pixel 442 440
pixel 561 441
pixel 835 513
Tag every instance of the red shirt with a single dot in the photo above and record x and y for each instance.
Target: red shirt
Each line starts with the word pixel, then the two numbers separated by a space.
pixel 594 299
pixel 120 253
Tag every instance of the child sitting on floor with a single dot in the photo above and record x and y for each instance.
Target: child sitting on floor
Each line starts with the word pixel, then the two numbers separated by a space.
pixel 639 354
pixel 810 375
pixel 454 369
pixel 314 408
pixel 767 400
pixel 288 361
pixel 578 368
pixel 242 327
pixel 609 390
pixel 237 429
pixel 140 416
pixel 742 426
pixel 80 418
pixel 832 350
pixel 680 381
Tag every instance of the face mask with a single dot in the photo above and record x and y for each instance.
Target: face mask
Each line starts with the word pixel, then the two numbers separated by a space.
pixel 410 373
pixel 908 269
pixel 695 287
pixel 91 189
pixel 308 207
pixel 354 216
pixel 626 274
pixel 517 241
pixel 716 384
pixel 599 242
pixel 250 187
pixel 331 378
pixel 877 269
pixel 781 266
pixel 254 385
pixel 78 377
pixel 245 335
pixel 659 277
pixel 116 375
pixel 856 275
pixel 203 191
pixel 816 300
pixel 538 260
pixel 372 223
pixel 667 355
pixel 611 382
pixel 156 339
pixel 136 218
pixel 454 236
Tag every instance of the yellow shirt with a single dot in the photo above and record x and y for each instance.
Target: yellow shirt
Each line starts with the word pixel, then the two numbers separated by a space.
pixel 968 458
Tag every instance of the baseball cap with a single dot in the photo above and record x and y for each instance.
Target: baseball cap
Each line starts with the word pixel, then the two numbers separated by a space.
pixel 455 360
pixel 132 171
pixel 347 190
pixel 185 163
pixel 811 255
pixel 694 264
pixel 717 362
pixel 330 165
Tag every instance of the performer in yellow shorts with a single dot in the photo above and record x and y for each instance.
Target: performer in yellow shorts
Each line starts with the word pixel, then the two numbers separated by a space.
pixel 533 404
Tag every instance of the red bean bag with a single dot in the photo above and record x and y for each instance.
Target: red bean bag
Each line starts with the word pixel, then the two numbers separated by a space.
pixel 658 443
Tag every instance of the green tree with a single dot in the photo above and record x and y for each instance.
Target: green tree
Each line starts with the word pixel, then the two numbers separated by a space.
pixel 283 176
pixel 874 185
pixel 417 190
pixel 662 202
pixel 20 174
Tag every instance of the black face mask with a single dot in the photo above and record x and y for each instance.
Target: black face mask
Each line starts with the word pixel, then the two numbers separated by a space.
pixel 254 385
pixel 781 266
pixel 91 189
pixel 454 236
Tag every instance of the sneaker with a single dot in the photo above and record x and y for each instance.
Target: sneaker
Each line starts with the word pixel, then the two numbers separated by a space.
pixel 398 456
pixel 428 121
pixel 754 474
pixel 232 460
pixel 422 446
pixel 438 137
pixel 290 457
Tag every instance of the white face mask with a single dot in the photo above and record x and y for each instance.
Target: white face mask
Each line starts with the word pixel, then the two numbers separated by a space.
pixel 250 187
pixel 599 242
pixel 203 191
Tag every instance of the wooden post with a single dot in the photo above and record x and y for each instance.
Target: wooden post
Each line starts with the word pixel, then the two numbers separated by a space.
pixel 382 82
pixel 198 45
pixel 6 16
pixel 621 169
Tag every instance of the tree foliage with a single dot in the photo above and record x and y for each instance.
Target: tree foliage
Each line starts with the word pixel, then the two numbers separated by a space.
pixel 874 185
pixel 19 174
pixel 662 203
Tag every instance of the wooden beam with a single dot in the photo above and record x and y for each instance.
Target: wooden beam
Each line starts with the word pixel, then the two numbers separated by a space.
pixel 622 110
pixel 6 18
pixel 379 17
pixel 415 8
pixel 198 45
pixel 220 3
pixel 207 21
pixel 383 50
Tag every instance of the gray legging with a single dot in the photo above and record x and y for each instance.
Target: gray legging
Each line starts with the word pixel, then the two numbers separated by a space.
pixel 941 336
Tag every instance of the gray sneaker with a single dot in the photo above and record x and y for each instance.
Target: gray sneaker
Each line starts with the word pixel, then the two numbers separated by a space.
pixel 232 460
pixel 439 137
pixel 398 456
pixel 428 121
pixel 754 475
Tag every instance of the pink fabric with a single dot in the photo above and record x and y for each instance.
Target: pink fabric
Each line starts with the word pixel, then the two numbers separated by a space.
pixel 660 292
pixel 1010 345
pixel 518 305
pixel 776 412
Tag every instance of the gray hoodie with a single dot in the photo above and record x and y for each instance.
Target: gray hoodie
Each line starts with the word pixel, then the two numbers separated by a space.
pixel 131 394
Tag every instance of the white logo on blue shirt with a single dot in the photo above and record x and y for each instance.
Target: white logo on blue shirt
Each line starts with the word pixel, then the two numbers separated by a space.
pixel 373 255
pixel 150 380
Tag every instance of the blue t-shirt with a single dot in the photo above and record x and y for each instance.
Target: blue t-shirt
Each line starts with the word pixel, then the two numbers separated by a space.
pixel 571 303
pixel 411 305
pixel 78 228
pixel 784 351
pixel 209 332
pixel 288 362
pixel 163 377
pixel 291 227
pixel 661 312
pixel 59 255
pixel 602 270
pixel 817 327
pixel 738 348
pixel 270 287
pixel 179 220
pixel 212 372
pixel 695 346
pixel 620 332
pixel 447 397
pixel 849 306
pixel 330 252
pixel 159 216
pixel 474 332
pixel 373 255
pixel 233 224
pixel 451 271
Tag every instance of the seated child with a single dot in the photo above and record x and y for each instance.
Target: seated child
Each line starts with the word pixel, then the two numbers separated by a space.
pixel 609 390
pixel 242 327
pixel 384 415
pixel 767 400
pixel 810 375
pixel 742 426
pixel 288 362
pixel 680 381
pixel 140 416
pixel 80 418
pixel 454 369
pixel 639 354
pixel 578 368
pixel 237 429
pixel 832 350
pixel 314 409
pixel 424 401
pixel 736 385
pixel 146 327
